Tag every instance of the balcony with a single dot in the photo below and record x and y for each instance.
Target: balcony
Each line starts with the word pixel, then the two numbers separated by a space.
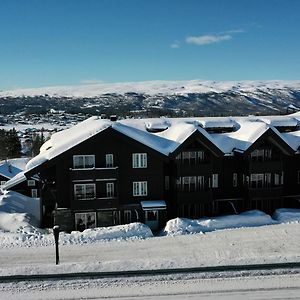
pixel 96 203
pixel 186 197
pixel 265 166
pixel 193 169
pixel 270 192
pixel 94 174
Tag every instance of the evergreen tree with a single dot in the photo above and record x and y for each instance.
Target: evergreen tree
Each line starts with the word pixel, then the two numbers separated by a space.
pixel 10 145
pixel 37 141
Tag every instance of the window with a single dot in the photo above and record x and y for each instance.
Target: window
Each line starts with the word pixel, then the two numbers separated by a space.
pixel 85 220
pixel 191 157
pixel 139 160
pixel 110 190
pixel 127 216
pixel 256 181
pixel 34 193
pixel 140 188
pixel 3 183
pixel 261 154
pixel 83 161
pixel 109 159
pixel 276 179
pixel 201 182
pixel 30 182
pixel 234 179
pixel 260 180
pixel 189 183
pixel 85 191
pixel 267 181
pixel 215 180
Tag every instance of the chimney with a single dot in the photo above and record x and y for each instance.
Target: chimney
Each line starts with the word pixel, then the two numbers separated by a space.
pixel 113 118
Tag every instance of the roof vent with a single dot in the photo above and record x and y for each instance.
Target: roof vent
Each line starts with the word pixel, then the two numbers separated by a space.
pixel 113 118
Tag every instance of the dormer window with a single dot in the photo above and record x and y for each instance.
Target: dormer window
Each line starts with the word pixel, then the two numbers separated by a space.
pixel 83 161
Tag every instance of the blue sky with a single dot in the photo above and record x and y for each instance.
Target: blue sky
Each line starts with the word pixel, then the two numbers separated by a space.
pixel 62 42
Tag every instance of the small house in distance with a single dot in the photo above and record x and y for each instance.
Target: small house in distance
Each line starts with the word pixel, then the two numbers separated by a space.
pixel 106 172
pixel 12 177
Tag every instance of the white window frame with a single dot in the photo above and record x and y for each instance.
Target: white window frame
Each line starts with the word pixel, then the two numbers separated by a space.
pixel 30 182
pixel 84 188
pixel 109 160
pixel 34 193
pixel 110 189
pixel 201 182
pixel 215 181
pixel 140 188
pixel 84 158
pixel 139 160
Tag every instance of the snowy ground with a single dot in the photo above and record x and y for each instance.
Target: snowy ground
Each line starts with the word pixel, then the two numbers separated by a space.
pixel 249 238
pixel 190 286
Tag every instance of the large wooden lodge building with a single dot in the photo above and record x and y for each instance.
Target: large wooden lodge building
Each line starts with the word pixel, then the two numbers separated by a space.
pixel 106 172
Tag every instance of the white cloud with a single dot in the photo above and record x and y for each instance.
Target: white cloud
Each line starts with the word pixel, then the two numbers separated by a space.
pixel 176 44
pixel 207 39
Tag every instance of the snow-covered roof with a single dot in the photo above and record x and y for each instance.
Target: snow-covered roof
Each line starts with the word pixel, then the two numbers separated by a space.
pixel 172 132
pixel 280 121
pixel 153 204
pixel 8 170
pixel 20 177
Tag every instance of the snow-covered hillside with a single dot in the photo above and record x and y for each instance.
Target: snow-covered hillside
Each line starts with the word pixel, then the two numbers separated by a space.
pixel 194 97
pixel 156 87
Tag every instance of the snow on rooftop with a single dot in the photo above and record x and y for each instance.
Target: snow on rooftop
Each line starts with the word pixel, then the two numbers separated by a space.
pixel 172 132
pixel 280 121
pixel 8 170
pixel 224 122
pixel 20 177
pixel 158 204
pixel 66 139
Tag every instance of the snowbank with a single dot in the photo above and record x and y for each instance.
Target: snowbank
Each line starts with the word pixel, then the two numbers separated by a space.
pixel 25 235
pixel 285 215
pixel 119 232
pixel 251 218
pixel 13 202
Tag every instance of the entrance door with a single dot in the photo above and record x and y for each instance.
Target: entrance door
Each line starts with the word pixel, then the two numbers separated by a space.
pixel 151 219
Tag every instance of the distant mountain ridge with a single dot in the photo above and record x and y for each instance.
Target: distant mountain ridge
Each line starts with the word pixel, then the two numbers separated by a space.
pixel 194 97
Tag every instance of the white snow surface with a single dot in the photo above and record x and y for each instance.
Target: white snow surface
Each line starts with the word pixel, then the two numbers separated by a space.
pixel 180 226
pixel 154 87
pixel 287 215
pixel 13 203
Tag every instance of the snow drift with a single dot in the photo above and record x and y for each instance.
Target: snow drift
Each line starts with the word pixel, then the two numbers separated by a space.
pixel 251 218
